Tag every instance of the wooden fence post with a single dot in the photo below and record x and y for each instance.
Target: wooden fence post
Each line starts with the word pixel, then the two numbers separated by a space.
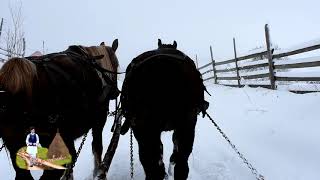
pixel 269 54
pixel 236 61
pixel 213 67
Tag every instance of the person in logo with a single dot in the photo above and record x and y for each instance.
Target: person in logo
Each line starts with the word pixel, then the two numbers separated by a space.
pixel 32 142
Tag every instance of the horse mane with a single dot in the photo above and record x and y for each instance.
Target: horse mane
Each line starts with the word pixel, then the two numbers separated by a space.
pixel 17 75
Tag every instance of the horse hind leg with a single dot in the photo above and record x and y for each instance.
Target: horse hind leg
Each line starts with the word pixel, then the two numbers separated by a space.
pixel 174 154
pixel 185 139
pixel 52 174
pixel 150 154
pixel 97 147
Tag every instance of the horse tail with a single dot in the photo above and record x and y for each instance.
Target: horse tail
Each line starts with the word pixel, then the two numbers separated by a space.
pixel 17 75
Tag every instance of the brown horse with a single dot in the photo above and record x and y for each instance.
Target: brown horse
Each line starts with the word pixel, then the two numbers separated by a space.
pixel 69 91
pixel 163 91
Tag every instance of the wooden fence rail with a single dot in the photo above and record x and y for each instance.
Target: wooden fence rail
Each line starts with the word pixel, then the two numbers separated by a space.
pixel 270 55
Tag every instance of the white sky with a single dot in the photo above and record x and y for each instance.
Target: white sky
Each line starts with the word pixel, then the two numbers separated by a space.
pixel 194 24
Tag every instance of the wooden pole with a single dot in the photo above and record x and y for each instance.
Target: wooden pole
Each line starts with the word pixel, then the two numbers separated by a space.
pixel 213 66
pixel 236 61
pixel 269 54
pixel 105 165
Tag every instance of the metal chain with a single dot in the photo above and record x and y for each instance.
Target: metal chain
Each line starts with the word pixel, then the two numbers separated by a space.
pixel 131 154
pixel 249 165
pixel 68 171
pixel 3 145
pixel 80 148
pixel 113 113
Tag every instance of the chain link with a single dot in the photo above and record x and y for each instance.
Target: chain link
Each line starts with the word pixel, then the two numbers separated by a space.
pixel 113 113
pixel 249 165
pixel 68 171
pixel 131 155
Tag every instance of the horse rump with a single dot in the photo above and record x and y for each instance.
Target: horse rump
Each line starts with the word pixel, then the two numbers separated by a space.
pixel 162 86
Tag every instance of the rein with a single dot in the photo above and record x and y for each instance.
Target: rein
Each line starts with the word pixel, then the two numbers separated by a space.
pixel 179 57
pixel 101 69
pixel 91 60
pixel 3 107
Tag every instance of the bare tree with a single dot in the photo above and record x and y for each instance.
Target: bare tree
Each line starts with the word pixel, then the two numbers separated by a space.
pixel 15 40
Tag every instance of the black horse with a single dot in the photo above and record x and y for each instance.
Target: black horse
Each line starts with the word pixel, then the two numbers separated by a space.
pixel 163 91
pixel 68 91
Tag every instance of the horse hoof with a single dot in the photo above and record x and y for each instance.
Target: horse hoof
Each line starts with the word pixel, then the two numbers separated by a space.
pixel 67 178
pixel 100 177
pixel 166 177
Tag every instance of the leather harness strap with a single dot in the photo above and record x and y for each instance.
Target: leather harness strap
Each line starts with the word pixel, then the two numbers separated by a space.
pixel 91 61
pixel 53 69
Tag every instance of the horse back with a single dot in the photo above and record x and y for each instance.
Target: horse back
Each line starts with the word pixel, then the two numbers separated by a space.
pixel 65 86
pixel 162 86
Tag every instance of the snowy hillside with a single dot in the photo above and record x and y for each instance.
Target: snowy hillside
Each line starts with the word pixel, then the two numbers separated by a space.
pixel 277 131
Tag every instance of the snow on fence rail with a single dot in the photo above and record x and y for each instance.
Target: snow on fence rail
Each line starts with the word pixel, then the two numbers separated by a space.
pixel 271 63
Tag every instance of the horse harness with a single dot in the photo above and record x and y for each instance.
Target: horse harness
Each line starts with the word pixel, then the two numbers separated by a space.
pixel 79 57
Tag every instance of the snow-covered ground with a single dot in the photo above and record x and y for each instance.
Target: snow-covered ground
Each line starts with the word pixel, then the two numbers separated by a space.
pixel 277 131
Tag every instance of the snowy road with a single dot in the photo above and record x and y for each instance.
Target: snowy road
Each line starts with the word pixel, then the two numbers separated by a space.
pixel 276 130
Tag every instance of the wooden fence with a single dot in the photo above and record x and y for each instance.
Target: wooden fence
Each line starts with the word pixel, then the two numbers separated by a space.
pixel 271 56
